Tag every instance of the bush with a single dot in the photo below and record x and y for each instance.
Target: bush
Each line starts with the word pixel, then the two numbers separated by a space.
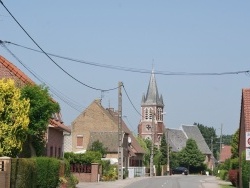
pixel 23 173
pixel 233 176
pixel 245 170
pixel 48 172
pixel 223 174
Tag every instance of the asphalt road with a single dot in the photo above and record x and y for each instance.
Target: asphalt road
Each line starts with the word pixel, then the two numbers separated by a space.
pixel 175 181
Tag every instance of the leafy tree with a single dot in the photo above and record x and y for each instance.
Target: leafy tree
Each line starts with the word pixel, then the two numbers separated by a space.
pixel 227 139
pixel 191 156
pixel 145 144
pixel 212 140
pixel 14 119
pixel 41 109
pixel 234 144
pixel 164 151
pixel 98 146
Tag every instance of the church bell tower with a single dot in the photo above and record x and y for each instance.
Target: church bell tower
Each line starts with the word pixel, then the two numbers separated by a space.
pixel 151 125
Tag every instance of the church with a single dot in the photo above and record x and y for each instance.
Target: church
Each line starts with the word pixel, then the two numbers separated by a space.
pixel 151 124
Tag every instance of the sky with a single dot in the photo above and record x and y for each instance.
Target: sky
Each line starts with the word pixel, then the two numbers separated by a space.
pixel 168 36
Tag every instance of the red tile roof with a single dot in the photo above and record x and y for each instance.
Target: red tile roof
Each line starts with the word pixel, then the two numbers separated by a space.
pixel 246 107
pixel 225 153
pixel 8 70
pixel 15 72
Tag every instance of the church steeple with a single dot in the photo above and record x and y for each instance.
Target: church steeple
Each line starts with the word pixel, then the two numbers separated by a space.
pixel 152 96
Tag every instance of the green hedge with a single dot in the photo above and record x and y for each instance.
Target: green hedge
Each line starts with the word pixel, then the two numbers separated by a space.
pixel 40 172
pixel 23 173
pixel 245 170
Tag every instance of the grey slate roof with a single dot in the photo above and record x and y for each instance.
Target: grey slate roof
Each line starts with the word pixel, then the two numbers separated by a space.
pixel 152 96
pixel 109 140
pixel 192 131
pixel 178 137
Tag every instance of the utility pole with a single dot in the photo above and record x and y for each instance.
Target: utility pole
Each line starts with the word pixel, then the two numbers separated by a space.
pixel 220 139
pixel 168 148
pixel 120 148
pixel 152 147
pixel 212 155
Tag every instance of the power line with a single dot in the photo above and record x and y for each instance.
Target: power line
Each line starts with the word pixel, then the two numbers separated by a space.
pixel 128 69
pixel 131 101
pixel 94 88
pixel 56 92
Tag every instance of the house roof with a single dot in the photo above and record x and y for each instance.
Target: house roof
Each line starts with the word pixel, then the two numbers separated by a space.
pixel 152 96
pixel 178 137
pixel 246 107
pixel 225 153
pixel 14 72
pixel 135 145
pixel 108 139
pixel 9 70
pixel 192 131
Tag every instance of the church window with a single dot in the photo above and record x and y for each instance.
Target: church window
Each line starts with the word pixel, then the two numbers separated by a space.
pixel 148 127
pixel 146 113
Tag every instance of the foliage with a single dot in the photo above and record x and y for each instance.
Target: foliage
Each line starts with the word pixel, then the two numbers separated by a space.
pixel 146 145
pixel 209 134
pixel 109 172
pixel 245 169
pixel 48 172
pixel 191 156
pixel 233 177
pixel 84 158
pixel 42 172
pixel 234 145
pixel 98 146
pixel 14 119
pixel 223 174
pixel 173 160
pixel 234 163
pixel 41 109
pixel 164 151
pixel 226 165
pixel 23 173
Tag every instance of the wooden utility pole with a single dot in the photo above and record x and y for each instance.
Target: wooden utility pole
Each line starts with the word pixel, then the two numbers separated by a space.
pixel 120 148
pixel 152 146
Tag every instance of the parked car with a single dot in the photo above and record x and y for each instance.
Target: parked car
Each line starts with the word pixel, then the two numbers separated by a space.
pixel 180 170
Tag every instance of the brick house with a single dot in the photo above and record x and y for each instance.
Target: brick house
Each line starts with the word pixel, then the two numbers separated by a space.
pixel 56 129
pixel 97 123
pixel 244 126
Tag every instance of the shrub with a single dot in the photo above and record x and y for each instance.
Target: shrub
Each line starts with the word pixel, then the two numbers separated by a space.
pixel 23 173
pixel 223 174
pixel 233 176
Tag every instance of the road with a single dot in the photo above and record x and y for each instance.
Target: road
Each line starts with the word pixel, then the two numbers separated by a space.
pixel 176 181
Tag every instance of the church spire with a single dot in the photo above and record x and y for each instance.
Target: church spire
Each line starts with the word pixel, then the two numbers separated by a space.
pixel 152 96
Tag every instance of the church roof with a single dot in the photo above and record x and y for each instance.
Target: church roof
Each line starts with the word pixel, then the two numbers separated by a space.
pixel 178 138
pixel 152 97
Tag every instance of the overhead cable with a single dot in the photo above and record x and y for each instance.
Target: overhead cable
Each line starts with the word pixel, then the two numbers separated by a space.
pixel 128 69
pixel 94 88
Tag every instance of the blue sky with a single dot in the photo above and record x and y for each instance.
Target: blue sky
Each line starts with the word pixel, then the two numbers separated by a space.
pixel 171 36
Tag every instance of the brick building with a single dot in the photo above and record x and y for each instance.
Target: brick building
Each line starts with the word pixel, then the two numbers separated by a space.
pixel 97 123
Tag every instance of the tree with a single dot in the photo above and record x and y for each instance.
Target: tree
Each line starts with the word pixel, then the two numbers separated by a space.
pixel 234 144
pixel 209 134
pixel 145 144
pixel 164 151
pixel 98 146
pixel 14 119
pixel 41 109
pixel 191 156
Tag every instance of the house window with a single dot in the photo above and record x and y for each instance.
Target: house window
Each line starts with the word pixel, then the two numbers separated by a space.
pixel 55 151
pixel 79 141
pixel 51 151
pixel 59 152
